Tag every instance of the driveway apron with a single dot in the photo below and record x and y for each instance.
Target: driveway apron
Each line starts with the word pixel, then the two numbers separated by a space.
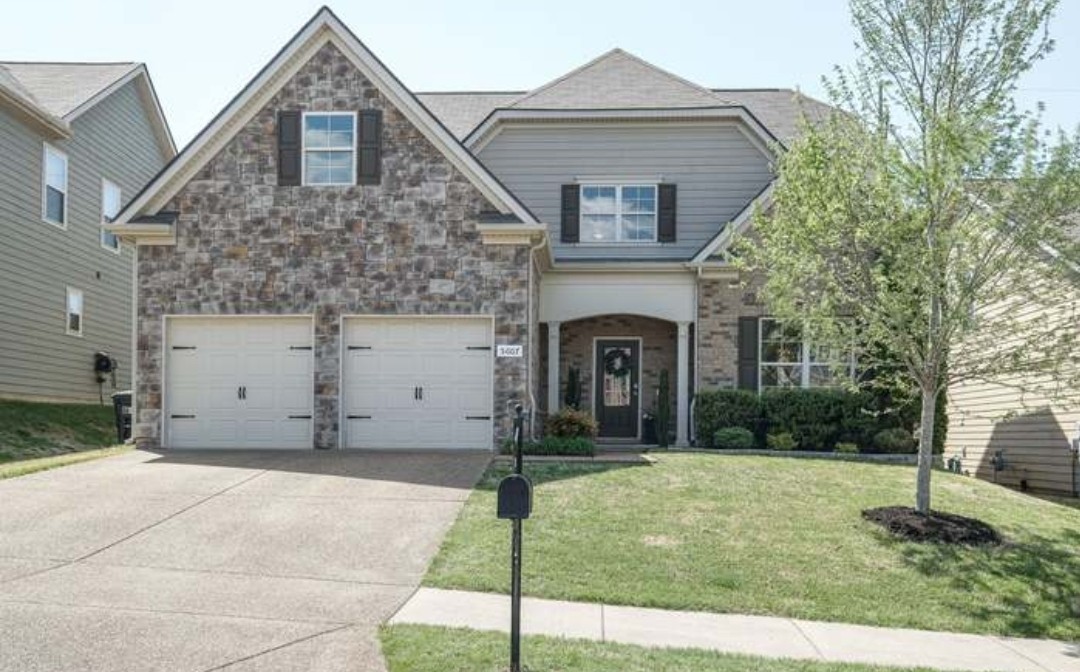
pixel 219 560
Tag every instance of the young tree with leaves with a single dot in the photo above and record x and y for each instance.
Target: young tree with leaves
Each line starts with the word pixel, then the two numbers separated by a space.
pixel 928 210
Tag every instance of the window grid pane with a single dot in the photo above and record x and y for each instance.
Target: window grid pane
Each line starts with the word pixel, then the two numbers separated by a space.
pixel 786 361
pixel 618 213
pixel 329 149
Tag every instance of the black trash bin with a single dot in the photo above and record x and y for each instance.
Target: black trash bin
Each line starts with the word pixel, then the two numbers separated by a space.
pixel 122 406
pixel 648 430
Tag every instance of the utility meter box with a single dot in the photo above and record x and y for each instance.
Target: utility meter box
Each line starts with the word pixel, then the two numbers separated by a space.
pixel 515 497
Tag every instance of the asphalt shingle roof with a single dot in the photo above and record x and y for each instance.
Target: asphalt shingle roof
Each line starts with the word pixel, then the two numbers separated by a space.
pixel 60 88
pixel 619 80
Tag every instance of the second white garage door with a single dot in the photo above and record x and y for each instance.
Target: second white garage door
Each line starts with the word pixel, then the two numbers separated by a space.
pixel 417 382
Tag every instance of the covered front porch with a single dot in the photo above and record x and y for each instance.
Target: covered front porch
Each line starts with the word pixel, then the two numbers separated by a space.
pixel 617 333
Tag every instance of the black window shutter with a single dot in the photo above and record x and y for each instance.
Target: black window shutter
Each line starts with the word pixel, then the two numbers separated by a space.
pixel 748 353
pixel 288 137
pixel 571 213
pixel 369 148
pixel 665 214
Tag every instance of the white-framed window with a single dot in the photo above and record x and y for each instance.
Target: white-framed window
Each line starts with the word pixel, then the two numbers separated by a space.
pixel 74 310
pixel 329 142
pixel 786 359
pixel 54 186
pixel 110 208
pixel 618 213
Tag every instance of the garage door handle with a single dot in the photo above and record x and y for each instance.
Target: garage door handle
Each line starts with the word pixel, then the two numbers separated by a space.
pixel 183 347
pixel 359 347
pixel 477 417
pixel 176 416
pixel 478 347
pixel 358 417
pixel 299 417
pixel 300 347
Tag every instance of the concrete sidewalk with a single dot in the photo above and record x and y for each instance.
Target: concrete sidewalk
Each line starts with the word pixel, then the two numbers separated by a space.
pixel 751 635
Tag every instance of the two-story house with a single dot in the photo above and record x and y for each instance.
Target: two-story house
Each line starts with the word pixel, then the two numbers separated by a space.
pixel 336 261
pixel 76 140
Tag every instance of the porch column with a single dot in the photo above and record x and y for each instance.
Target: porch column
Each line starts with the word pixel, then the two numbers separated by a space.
pixel 553 366
pixel 682 394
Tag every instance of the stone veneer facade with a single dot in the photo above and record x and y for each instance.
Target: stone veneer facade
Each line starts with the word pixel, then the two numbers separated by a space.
pixel 407 246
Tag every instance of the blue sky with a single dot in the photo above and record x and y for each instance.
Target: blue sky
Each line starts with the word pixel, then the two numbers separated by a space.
pixel 200 52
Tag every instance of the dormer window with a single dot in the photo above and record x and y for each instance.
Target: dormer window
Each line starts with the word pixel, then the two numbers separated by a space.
pixel 329 148
pixel 618 213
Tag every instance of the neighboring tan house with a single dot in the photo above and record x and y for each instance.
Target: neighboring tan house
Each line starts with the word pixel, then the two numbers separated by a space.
pixel 1022 431
pixel 337 262
pixel 76 140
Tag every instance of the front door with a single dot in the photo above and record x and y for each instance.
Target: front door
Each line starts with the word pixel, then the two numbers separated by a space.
pixel 617 376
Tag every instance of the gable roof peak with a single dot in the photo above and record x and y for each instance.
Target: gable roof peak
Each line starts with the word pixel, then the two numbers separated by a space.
pixel 619 79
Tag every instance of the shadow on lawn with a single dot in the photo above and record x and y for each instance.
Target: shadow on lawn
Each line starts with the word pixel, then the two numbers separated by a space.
pixel 1036 581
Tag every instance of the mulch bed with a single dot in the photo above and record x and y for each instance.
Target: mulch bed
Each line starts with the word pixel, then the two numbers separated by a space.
pixel 945 528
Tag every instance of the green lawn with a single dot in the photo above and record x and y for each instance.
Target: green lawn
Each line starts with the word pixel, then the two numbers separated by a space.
pixel 24 467
pixel 31 430
pixel 760 535
pixel 417 648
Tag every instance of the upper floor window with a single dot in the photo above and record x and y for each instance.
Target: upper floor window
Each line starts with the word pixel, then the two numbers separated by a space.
pixel 329 148
pixel 74 311
pixel 786 359
pixel 110 208
pixel 618 213
pixel 55 186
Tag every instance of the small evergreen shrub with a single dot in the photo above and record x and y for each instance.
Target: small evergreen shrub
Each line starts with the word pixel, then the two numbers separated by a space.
pixel 847 448
pixel 719 409
pixel 571 423
pixel 733 438
pixel 781 441
pixel 894 440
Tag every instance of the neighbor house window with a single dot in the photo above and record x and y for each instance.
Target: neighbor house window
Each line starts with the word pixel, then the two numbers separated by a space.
pixel 787 360
pixel 74 312
pixel 618 213
pixel 330 148
pixel 110 208
pixel 55 187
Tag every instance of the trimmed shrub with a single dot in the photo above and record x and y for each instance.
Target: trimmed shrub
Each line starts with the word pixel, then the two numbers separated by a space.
pixel 719 409
pixel 781 441
pixel 894 440
pixel 847 448
pixel 570 423
pixel 733 438
pixel 554 445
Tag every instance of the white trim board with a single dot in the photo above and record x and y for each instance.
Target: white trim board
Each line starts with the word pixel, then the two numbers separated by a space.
pixel 736 226
pixel 324 28
pixel 746 122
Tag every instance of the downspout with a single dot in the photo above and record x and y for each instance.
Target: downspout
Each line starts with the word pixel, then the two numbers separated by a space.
pixel 533 266
pixel 697 363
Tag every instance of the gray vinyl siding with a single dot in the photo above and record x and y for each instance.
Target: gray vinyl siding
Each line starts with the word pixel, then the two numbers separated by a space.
pixel 38 359
pixel 716 167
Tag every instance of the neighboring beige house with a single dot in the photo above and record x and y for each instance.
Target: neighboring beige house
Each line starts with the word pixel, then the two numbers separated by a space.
pixel 1015 431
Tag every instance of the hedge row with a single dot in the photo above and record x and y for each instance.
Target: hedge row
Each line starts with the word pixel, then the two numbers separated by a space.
pixel 816 419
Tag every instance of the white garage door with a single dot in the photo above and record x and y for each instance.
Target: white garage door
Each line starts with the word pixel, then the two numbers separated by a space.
pixel 239 382
pixel 418 382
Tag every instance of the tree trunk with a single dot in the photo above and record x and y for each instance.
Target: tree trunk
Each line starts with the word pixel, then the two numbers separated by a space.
pixel 926 449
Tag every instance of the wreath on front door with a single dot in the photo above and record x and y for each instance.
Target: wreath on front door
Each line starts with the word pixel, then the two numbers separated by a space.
pixel 617 363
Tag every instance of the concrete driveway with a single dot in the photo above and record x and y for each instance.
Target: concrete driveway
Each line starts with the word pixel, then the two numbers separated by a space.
pixel 219 560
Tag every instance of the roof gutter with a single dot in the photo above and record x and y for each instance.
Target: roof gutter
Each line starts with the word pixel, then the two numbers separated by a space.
pixel 55 127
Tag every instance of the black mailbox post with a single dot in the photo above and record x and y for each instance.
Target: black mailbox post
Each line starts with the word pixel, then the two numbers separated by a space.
pixel 515 505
